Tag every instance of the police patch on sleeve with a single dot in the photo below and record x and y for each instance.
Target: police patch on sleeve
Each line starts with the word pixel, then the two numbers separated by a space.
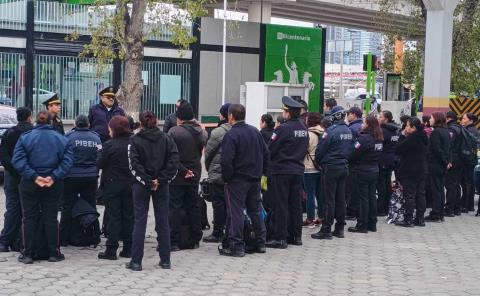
pixel 357 145
pixel 324 135
pixel 274 136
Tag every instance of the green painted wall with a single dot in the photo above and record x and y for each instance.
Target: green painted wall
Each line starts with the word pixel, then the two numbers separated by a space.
pixel 302 48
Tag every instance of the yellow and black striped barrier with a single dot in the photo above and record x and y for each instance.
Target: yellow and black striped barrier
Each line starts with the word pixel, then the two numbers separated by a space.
pixel 464 105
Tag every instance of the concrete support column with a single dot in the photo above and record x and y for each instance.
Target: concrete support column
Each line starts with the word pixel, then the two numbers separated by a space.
pixel 438 54
pixel 260 12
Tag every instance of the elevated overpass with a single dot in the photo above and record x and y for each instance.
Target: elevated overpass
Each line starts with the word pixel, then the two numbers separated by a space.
pixel 359 14
pixel 365 15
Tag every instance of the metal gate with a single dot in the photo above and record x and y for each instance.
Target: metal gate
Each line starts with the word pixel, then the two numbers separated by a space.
pixel 12 79
pixel 75 80
pixel 164 84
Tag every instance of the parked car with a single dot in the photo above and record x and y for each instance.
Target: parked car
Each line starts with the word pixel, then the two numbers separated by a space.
pixel 8 119
pixel 43 95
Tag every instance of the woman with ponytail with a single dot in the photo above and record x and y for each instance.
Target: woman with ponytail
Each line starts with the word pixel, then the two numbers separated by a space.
pixel 153 161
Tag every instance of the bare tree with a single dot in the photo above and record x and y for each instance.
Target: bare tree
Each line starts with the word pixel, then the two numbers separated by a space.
pixel 122 31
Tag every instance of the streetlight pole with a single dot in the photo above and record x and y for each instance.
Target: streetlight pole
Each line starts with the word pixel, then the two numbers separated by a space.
pixel 224 57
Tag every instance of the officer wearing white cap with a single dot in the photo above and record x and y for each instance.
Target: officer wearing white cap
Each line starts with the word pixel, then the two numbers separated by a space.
pixel 53 105
pixel 288 149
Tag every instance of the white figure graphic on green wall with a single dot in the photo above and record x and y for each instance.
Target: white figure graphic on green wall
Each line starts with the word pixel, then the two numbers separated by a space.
pixel 307 82
pixel 292 70
pixel 278 76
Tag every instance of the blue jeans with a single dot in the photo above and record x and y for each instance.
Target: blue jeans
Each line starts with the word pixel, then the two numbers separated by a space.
pixel 312 186
pixel 13 213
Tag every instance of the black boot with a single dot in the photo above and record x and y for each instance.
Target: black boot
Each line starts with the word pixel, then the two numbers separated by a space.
pixel 165 264
pixel 229 252
pixel 420 222
pixel 109 254
pixel 56 258
pixel 433 218
pixel 296 241
pixel 322 235
pixel 338 233
pixel 133 266
pixel 358 229
pixel 404 223
pixel 276 244
pixel 3 248
pixel 25 259
pixel 213 238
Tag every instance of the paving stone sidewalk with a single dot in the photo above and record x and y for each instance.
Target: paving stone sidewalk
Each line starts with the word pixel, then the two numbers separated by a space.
pixel 440 259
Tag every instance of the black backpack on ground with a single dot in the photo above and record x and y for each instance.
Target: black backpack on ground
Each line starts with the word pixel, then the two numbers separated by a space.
pixel 468 147
pixel 85 230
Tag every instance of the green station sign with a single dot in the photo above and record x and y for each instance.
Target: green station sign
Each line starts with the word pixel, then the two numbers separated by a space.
pixel 293 55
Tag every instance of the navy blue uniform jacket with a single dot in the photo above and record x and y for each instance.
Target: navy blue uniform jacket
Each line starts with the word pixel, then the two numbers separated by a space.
pixel 391 136
pixel 355 126
pixel 85 145
pixel 288 148
pixel 99 117
pixel 244 155
pixel 335 146
pixel 43 152
pixel 366 154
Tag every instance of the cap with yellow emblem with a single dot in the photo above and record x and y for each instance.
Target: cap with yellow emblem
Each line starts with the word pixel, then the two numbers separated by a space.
pixel 289 104
pixel 54 99
pixel 108 92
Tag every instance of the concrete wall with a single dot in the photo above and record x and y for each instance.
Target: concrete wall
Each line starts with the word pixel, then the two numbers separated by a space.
pixel 240 67
pixel 242 34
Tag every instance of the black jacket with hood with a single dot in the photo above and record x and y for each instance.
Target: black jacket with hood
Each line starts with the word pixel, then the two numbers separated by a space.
pixel 412 151
pixel 153 155
pixel 113 160
pixel 439 150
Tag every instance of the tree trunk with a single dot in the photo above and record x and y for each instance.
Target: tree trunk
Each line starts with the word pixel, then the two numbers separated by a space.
pixel 131 89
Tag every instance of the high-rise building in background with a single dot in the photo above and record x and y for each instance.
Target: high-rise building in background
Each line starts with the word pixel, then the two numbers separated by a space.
pixel 363 42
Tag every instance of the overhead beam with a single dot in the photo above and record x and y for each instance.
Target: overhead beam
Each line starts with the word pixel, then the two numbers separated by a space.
pixel 342 15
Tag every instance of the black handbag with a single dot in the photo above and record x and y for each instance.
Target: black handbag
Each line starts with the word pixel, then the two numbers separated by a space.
pixel 205 190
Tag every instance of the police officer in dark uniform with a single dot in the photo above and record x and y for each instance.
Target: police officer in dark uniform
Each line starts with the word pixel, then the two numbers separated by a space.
pixel 332 153
pixel 454 173
pixel 288 149
pixel 100 114
pixel 244 159
pixel 387 161
pixel 53 105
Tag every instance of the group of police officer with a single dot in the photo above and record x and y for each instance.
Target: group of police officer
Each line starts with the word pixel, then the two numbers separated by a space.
pixel 244 156
pixel 288 148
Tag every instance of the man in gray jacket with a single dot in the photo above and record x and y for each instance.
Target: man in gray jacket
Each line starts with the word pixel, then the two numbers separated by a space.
pixel 213 152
